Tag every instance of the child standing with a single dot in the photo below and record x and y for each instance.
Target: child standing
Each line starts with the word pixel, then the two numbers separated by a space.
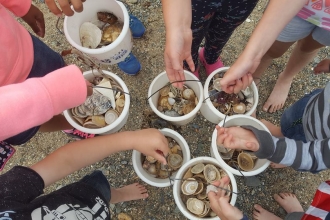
pixel 189 22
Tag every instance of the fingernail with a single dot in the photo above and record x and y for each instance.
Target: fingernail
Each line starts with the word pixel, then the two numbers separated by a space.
pixel 59 15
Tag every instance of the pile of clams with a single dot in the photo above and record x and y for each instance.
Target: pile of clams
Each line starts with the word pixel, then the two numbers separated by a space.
pixel 103 107
pixel 244 160
pixel 101 33
pixel 195 187
pixel 229 104
pixel 159 170
pixel 174 102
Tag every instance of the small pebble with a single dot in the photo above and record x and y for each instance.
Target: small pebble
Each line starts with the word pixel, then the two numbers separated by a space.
pixel 124 162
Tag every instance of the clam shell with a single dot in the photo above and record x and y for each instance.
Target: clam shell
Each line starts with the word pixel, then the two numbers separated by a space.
pixel 198 168
pixel 188 94
pixel 111 32
pixel 152 169
pixel 188 108
pixel 239 108
pixel 163 102
pixel 164 91
pixel 90 35
pixel 151 159
pixel 216 84
pixel 110 116
pixel 174 161
pixel 90 124
pixel 211 173
pixel 202 195
pixel 245 161
pixel 189 186
pixel 120 103
pixel 199 188
pixel 188 174
pixel 99 120
pixel 79 120
pixel 196 206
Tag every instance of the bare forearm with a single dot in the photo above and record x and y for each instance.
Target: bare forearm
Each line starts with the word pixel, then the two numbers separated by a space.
pixel 79 154
pixel 276 17
pixel 177 14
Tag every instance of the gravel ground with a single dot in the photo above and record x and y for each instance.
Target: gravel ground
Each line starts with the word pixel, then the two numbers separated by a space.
pixel 118 168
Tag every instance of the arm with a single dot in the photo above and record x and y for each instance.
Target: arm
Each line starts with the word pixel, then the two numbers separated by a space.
pixel 177 18
pixel 18 7
pixel 65 5
pixel 37 100
pixel 310 156
pixel 79 154
pixel 276 16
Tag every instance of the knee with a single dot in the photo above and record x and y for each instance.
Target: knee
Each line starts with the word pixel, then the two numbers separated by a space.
pixel 274 53
pixel 308 47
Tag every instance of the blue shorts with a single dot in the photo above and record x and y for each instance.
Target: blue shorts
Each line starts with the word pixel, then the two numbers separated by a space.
pixel 291 120
pixel 99 182
pixel 299 28
pixel 45 60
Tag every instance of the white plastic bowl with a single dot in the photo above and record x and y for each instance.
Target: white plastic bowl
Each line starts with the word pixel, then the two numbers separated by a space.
pixel 239 120
pixel 177 185
pixel 145 176
pixel 118 123
pixel 114 52
pixel 210 112
pixel 160 81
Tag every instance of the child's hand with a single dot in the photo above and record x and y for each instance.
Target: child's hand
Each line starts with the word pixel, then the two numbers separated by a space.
pixel 89 88
pixel 237 138
pixel 35 19
pixel 220 203
pixel 151 142
pixel 65 6
pixel 322 67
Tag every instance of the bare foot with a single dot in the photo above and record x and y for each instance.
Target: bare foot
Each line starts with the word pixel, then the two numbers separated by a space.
pixel 134 191
pixel 262 214
pixel 279 94
pixel 289 202
pixel 277 165
pixel 274 130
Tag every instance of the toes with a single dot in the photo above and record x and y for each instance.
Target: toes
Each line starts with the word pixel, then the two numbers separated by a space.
pixel 258 208
pixel 278 198
pixel 283 195
pixel 266 106
pixel 145 195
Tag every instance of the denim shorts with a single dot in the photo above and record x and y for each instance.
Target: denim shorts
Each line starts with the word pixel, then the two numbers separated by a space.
pixel 299 28
pixel 291 120
pixel 45 60
pixel 99 182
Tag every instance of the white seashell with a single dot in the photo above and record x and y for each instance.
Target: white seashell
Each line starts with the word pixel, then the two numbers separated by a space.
pixel 110 116
pixel 90 35
pixel 171 95
pixel 216 84
pixel 171 101
pixel 196 206
pixel 198 168
pixel 107 92
pixel 189 186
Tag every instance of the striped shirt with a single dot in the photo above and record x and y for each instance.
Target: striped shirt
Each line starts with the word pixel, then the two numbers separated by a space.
pixel 311 156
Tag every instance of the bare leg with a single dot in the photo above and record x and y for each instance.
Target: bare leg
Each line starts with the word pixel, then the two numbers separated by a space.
pixel 260 213
pixel 302 54
pixel 57 123
pixel 134 191
pixel 289 202
pixel 274 130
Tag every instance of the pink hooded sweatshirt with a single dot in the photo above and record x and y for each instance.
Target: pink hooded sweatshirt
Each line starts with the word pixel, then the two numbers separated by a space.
pixel 16 50
pixel 28 103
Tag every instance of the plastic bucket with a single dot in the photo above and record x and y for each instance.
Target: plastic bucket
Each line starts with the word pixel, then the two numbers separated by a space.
pixel 145 176
pixel 177 185
pixel 113 53
pixel 160 81
pixel 118 123
pixel 239 120
pixel 210 112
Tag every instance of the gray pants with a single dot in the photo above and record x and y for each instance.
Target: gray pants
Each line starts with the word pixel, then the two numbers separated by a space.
pixel 294 216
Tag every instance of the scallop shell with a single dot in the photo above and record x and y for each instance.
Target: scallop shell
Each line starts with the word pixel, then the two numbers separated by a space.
pixel 211 173
pixel 90 35
pixel 174 161
pixel 189 186
pixel 245 161
pixel 198 168
pixel 196 206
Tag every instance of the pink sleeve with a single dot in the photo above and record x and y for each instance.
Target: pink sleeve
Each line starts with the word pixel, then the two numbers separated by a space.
pixel 36 100
pixel 18 7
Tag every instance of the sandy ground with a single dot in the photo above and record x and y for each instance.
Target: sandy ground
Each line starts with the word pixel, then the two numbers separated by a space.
pixel 149 50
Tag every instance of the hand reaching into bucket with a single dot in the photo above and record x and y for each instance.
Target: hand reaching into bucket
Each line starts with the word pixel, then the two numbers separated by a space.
pixel 219 202
pixel 65 6
pixel 237 138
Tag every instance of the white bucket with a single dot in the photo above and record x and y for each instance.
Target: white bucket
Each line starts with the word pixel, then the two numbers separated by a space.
pixel 145 176
pixel 112 53
pixel 160 81
pixel 210 112
pixel 177 185
pixel 239 120
pixel 118 123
